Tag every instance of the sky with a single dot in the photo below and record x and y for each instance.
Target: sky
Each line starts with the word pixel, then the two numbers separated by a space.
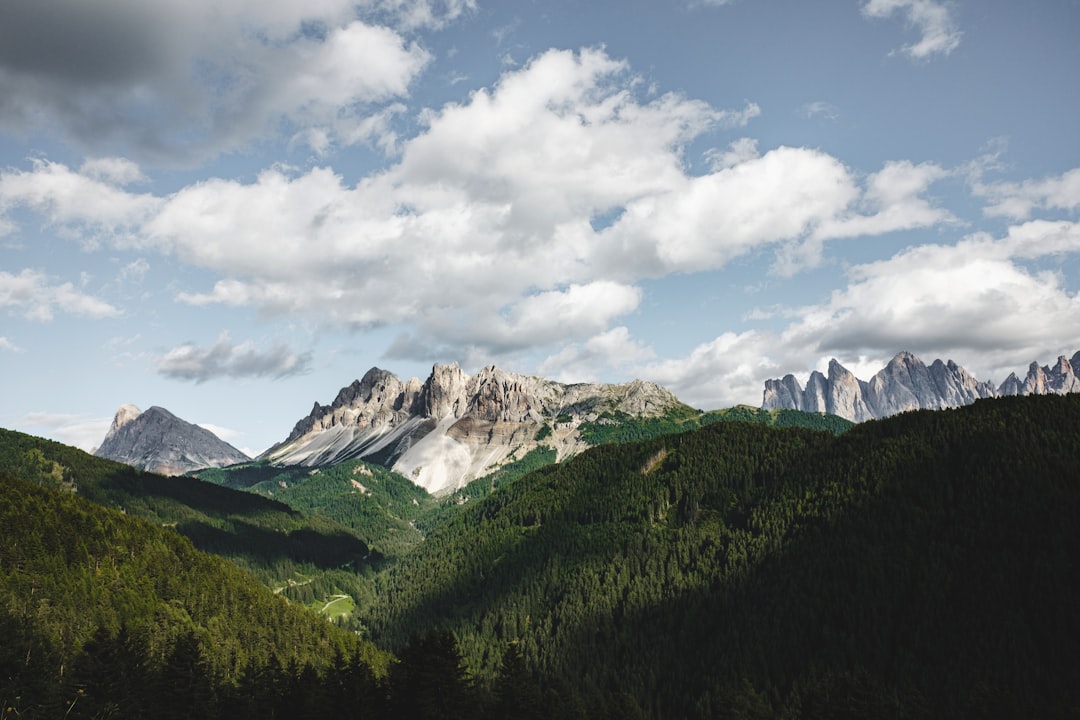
pixel 234 209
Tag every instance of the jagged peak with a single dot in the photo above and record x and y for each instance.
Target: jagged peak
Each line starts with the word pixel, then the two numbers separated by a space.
pixel 906 383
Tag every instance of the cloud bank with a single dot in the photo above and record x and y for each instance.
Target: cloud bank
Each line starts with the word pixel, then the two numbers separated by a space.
pixel 226 359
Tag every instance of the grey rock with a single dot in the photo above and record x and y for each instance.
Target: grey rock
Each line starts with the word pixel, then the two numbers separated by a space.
pixel 906 383
pixel 452 427
pixel 160 442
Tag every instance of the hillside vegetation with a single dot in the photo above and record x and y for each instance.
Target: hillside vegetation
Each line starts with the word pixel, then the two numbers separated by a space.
pixel 119 616
pixel 920 566
pixel 295 552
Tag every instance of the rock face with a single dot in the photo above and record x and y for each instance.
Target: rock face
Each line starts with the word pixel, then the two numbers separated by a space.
pixel 160 442
pixel 906 383
pixel 453 428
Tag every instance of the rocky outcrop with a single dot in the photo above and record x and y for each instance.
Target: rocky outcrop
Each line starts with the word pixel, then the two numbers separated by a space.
pixel 906 383
pixel 160 442
pixel 453 428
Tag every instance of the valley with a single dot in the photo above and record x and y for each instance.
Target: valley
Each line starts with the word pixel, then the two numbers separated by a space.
pixel 737 563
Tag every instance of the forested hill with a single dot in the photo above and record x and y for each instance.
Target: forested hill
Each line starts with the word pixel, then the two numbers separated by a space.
pixel 920 566
pixel 106 615
pixel 262 535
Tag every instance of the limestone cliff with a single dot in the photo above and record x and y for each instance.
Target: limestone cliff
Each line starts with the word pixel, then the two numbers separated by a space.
pixel 453 427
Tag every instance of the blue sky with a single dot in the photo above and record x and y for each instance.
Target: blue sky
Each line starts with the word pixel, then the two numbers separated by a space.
pixel 234 209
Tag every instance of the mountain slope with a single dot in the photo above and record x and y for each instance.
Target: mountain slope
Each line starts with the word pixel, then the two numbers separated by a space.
pixel 157 441
pixel 925 561
pixel 906 383
pixel 105 614
pixel 454 428
pixel 261 535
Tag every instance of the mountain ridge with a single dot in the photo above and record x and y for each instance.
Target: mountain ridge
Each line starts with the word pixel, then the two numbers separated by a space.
pixel 453 427
pixel 907 383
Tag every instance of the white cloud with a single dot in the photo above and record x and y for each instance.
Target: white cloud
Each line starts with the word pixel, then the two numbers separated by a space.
pixel 725 371
pixel 8 346
pixel 1017 200
pixel 227 359
pixel 179 81
pixel 707 221
pixel 90 204
pixel 522 217
pixel 112 171
pixel 893 201
pixel 820 108
pixel 30 292
pixel 974 302
pixel 584 362
pixel 135 271
pixel 738 152
pixel 932 18
pixel 80 431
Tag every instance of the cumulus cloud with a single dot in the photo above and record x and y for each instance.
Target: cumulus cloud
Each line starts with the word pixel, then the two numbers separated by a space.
pixel 933 20
pixel 581 362
pixel 522 217
pixel 177 81
pixel 90 204
pixel 226 359
pixel 8 346
pixel 31 293
pixel 975 301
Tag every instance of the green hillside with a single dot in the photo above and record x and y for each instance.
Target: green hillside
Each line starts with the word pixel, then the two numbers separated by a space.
pixel 378 505
pixel 921 566
pixel 917 567
pixel 104 614
pixel 287 549
pixel 391 514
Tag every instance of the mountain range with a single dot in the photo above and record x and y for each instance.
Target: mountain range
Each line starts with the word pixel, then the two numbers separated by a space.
pixel 907 383
pixel 158 441
pixel 921 566
pixel 454 427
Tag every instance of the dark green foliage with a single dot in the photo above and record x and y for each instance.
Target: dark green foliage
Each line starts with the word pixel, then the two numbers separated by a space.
pixel 276 542
pixel 429 682
pixel 378 505
pixel 104 614
pixel 918 567
pixel 907 568
pixel 621 428
pixel 779 418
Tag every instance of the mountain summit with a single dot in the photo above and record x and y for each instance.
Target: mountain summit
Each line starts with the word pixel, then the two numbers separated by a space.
pixel 453 427
pixel 907 383
pixel 160 442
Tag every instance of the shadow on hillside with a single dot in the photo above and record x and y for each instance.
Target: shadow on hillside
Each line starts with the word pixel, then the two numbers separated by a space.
pixel 202 496
pixel 267 547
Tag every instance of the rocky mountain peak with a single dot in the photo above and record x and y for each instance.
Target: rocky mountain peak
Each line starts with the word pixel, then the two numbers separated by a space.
pixel 906 383
pixel 452 427
pixel 158 441
pixel 124 414
pixel 444 393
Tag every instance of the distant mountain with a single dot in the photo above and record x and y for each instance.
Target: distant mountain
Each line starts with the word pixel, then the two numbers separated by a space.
pixel 160 442
pixel 907 383
pixel 453 428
